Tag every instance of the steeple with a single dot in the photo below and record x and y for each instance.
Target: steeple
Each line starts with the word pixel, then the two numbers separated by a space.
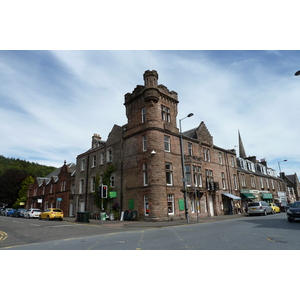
pixel 242 152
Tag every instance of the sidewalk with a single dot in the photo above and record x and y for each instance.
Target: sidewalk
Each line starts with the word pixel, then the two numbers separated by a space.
pixel 143 224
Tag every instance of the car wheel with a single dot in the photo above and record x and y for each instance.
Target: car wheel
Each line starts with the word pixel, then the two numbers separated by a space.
pixel 40 218
pixel 273 211
pixel 265 213
pixel 48 218
pixel 290 220
pixel 60 219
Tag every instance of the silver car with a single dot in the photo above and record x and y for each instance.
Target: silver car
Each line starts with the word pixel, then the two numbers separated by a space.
pixel 259 208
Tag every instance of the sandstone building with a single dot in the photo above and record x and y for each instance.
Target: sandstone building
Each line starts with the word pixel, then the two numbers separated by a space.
pixel 144 157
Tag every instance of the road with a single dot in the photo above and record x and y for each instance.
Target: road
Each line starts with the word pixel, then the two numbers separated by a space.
pixel 271 232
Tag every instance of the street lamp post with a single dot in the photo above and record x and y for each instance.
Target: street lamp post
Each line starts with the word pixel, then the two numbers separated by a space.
pixel 183 169
pixel 279 165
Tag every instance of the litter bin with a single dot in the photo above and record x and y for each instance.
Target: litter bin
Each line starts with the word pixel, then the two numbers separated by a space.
pixel 83 216
pixel 103 216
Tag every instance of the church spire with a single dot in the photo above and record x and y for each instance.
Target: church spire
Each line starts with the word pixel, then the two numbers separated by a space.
pixel 242 152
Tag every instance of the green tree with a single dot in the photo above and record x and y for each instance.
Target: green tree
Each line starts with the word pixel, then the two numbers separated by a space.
pixel 22 195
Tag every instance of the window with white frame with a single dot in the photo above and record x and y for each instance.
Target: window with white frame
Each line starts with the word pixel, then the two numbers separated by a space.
pixel 267 183
pixel 94 161
pixel 169 174
pixel 261 182
pixel 145 174
pixel 209 179
pixel 109 155
pixel 143 111
pixel 220 158
pixel 144 141
pixel 223 180
pixel 200 184
pixel 63 186
pixel 165 113
pixel 81 186
pixel 197 176
pixel 232 161
pixel 272 184
pixel 243 180
pixel 188 175
pixel 235 183
pixel 102 158
pixel 83 164
pixel 93 184
pixel 206 154
pixel 252 181
pixel 170 199
pixel 167 143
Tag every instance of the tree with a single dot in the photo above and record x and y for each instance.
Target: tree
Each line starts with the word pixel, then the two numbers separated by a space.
pixel 23 191
pixel 10 184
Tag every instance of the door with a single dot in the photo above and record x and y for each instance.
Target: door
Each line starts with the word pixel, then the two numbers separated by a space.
pixel 211 206
pixel 81 204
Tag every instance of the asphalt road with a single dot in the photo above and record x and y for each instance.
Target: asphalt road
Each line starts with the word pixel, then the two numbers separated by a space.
pixel 271 232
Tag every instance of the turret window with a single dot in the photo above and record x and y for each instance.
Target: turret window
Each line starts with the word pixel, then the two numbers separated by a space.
pixel 143 114
pixel 165 113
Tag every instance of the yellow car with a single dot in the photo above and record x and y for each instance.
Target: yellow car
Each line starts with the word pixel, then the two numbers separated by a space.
pixel 275 208
pixel 52 213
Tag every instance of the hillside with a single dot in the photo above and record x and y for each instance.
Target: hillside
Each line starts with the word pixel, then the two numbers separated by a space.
pixel 13 172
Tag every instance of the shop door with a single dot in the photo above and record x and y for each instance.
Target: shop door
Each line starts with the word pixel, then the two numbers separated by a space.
pixel 211 206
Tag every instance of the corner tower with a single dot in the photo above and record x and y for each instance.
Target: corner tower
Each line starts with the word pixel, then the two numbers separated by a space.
pixel 151 149
pixel 151 104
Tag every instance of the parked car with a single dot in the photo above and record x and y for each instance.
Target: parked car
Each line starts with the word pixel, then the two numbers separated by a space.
pixel 52 213
pixel 10 212
pixel 259 208
pixel 19 213
pixel 4 212
pixel 293 213
pixel 275 208
pixel 283 205
pixel 32 213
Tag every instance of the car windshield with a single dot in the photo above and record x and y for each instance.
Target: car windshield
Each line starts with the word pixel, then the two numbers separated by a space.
pixel 295 205
pixel 57 210
pixel 253 204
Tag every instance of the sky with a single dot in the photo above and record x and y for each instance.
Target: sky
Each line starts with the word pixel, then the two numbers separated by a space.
pixel 52 102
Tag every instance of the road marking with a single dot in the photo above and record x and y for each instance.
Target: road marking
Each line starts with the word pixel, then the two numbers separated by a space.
pixel 3 236
pixel 140 242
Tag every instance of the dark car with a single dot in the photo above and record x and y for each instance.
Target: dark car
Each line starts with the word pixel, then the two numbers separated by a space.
pixel 283 205
pixel 19 213
pixel 293 212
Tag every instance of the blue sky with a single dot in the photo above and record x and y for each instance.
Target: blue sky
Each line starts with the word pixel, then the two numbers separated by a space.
pixel 52 102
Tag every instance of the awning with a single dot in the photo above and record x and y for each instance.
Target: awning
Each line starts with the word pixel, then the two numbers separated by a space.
pixel 231 196
pixel 247 196
pixel 266 196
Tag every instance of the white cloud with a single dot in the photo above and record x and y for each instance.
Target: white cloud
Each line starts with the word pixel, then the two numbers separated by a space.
pixel 53 102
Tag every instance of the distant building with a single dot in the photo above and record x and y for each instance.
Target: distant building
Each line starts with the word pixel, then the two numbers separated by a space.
pixel 256 181
pixel 293 186
pixel 53 190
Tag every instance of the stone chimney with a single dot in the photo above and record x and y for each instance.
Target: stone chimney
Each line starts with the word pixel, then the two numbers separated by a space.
pixel 96 138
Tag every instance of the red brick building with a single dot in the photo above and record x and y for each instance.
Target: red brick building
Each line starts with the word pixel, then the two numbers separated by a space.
pixel 53 190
